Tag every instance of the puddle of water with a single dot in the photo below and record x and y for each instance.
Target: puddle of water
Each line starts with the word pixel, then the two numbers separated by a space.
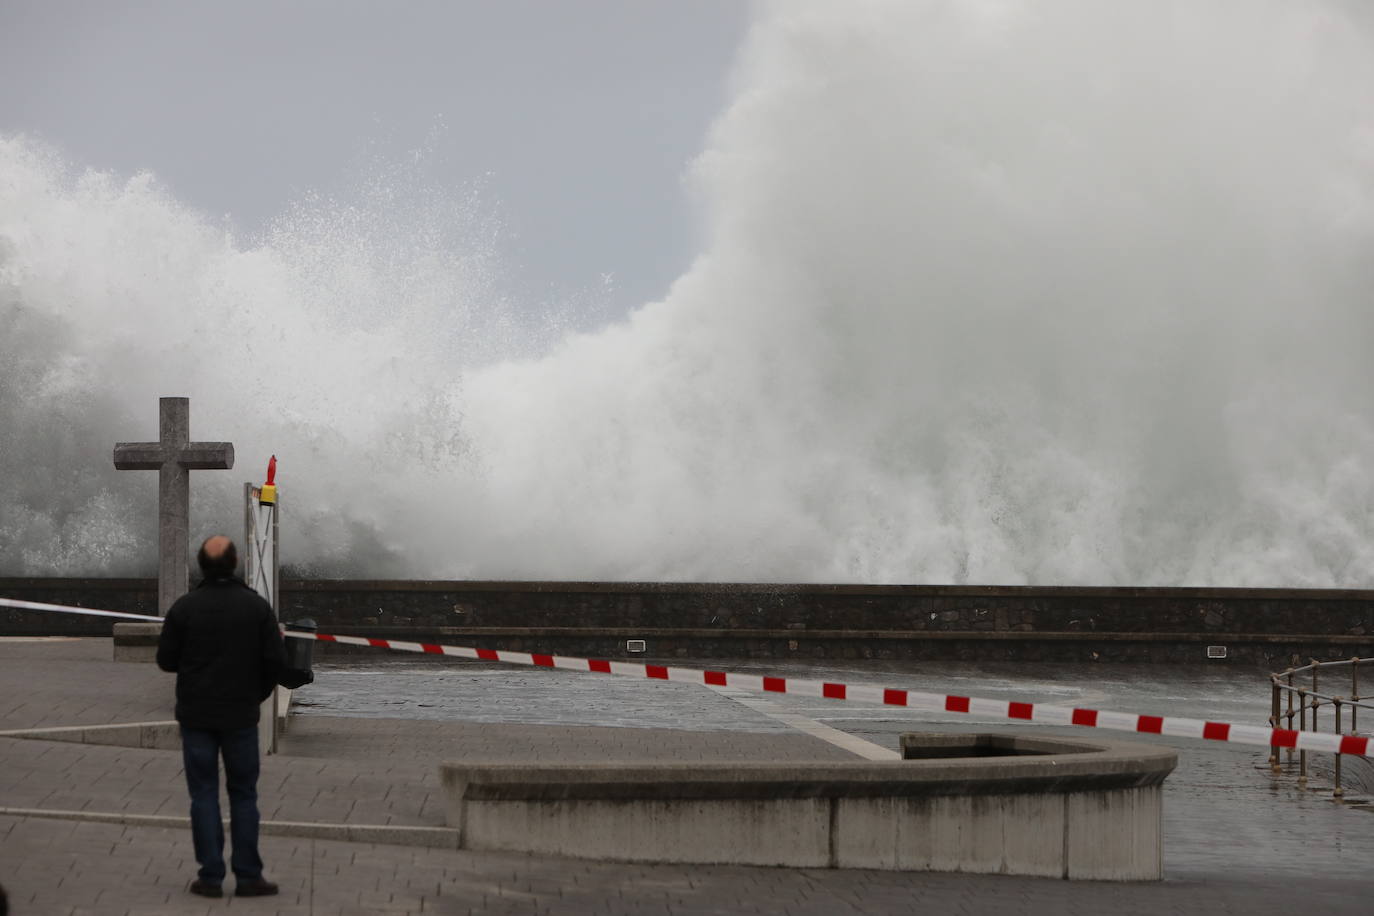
pixel 1224 810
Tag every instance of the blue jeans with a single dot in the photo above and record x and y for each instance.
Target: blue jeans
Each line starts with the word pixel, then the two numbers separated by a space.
pixel 201 749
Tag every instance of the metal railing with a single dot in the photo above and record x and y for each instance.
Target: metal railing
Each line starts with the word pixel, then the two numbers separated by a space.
pixel 1305 702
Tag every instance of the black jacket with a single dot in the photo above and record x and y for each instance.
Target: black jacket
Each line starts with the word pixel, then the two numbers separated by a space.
pixel 222 641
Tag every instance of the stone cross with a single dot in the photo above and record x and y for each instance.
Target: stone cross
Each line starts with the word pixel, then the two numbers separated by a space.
pixel 174 457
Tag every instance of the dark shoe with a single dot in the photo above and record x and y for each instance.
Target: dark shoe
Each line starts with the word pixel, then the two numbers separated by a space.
pixel 254 887
pixel 206 889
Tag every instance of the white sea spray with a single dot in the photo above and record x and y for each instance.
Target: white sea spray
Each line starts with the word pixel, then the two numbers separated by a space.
pixel 1053 292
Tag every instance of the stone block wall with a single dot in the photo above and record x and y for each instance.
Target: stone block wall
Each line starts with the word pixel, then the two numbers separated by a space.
pixel 802 622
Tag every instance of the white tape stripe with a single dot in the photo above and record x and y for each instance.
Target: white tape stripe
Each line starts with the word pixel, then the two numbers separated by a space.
pixel 1183 728
pixel 803 688
pixel 995 709
pixel 1118 721
pixel 1249 734
pixel 1313 741
pixel 863 693
pixel 1053 715
pixel 745 682
pixel 935 702
pixel 69 609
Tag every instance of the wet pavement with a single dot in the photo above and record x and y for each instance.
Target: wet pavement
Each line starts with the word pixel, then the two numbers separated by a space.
pixel 1225 812
pixel 88 828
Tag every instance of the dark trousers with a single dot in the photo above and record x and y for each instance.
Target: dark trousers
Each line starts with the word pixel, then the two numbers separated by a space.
pixel 201 749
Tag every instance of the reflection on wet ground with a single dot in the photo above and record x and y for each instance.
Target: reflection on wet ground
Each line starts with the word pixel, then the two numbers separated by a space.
pixel 1224 810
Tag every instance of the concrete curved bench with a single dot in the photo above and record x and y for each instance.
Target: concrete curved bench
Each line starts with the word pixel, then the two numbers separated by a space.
pixel 1053 807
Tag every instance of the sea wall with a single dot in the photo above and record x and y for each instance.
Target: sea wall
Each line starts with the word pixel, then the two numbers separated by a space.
pixel 778 621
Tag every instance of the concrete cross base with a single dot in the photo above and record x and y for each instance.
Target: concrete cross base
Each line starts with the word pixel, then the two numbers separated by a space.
pixel 136 642
pixel 1029 806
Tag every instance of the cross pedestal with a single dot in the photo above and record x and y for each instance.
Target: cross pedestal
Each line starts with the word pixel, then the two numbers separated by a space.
pixel 173 457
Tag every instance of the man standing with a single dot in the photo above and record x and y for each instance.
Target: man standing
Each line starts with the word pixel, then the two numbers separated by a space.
pixel 222 641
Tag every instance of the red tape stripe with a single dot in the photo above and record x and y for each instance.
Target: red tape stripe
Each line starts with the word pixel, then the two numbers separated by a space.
pixel 1152 725
pixel 1216 731
pixel 1020 710
pixel 1351 744
pixel 1086 717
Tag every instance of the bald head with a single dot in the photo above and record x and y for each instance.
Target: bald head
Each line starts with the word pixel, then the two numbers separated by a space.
pixel 217 558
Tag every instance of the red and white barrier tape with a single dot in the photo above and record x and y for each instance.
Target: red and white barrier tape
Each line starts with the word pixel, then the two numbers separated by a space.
pixel 1046 714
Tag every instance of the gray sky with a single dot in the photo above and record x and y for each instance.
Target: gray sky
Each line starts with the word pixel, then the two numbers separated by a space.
pixel 581 115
